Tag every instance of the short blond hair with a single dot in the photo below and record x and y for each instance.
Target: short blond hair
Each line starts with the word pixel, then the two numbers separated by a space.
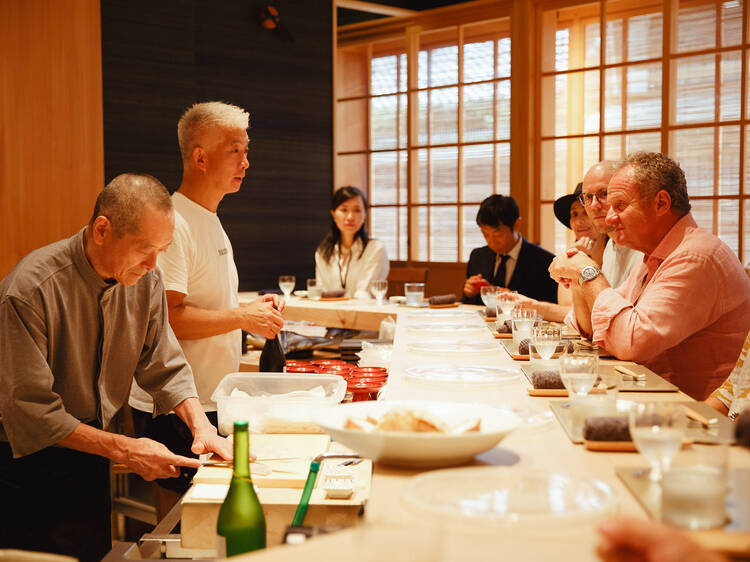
pixel 201 116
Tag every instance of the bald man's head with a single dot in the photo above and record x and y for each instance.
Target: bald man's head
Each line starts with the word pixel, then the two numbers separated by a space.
pixel 594 192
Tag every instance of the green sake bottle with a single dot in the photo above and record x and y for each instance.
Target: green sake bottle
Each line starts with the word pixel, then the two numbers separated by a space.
pixel 242 525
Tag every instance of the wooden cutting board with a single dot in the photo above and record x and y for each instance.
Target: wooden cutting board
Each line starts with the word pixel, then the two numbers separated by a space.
pixel 285 474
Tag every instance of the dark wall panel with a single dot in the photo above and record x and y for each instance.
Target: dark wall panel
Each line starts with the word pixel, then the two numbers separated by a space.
pixel 160 57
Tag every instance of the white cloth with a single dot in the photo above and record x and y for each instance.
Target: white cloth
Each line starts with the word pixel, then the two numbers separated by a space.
pixel 200 264
pixel 617 261
pixel 510 265
pixel 372 265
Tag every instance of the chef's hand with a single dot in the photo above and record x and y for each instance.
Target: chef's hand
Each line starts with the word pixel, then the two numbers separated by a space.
pixel 630 539
pixel 263 316
pixel 206 440
pixel 151 459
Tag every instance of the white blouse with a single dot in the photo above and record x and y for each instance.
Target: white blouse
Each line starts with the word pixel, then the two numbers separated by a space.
pixel 357 273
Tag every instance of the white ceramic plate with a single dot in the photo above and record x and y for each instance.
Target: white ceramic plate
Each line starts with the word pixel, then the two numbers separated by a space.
pixel 301 294
pixel 418 449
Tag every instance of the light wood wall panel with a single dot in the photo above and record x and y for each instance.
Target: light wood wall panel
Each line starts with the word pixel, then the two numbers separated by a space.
pixel 51 142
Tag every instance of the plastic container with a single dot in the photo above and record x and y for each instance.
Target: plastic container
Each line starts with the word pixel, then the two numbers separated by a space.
pixel 264 390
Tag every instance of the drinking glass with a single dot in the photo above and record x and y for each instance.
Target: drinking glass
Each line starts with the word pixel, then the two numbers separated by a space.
pixel 522 323
pixel 379 288
pixel 488 293
pixel 505 300
pixel 694 489
pixel 579 372
pixel 414 293
pixel 286 284
pixel 657 429
pixel 544 340
pixel 313 290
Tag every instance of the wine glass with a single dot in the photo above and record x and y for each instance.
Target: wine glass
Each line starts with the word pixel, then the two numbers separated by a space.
pixel 545 338
pixel 522 323
pixel 379 288
pixel 579 372
pixel 286 284
pixel 657 429
pixel 488 293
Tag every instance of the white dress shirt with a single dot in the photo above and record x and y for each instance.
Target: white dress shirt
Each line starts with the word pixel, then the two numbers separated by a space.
pixel 357 273
pixel 510 265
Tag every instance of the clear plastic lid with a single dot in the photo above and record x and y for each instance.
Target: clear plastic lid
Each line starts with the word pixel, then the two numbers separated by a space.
pixel 510 496
pixel 461 375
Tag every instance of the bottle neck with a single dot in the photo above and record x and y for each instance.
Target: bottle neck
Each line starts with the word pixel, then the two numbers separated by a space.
pixel 241 454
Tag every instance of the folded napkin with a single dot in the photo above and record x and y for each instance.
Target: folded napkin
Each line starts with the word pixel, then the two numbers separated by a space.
pixel 332 294
pixel 546 379
pixel 443 299
pixel 490 312
pixel 606 428
pixel 505 328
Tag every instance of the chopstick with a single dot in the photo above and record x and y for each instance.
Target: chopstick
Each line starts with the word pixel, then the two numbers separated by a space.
pixel 628 373
pixel 703 420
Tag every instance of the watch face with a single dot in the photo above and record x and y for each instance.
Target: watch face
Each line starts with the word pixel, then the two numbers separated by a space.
pixel 589 272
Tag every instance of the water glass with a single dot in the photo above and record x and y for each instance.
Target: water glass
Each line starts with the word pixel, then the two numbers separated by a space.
pixel 313 290
pixel 488 293
pixel 694 489
pixel 505 300
pixel 286 284
pixel 601 401
pixel 522 323
pixel 657 429
pixel 379 288
pixel 414 293
pixel 579 372
pixel 544 340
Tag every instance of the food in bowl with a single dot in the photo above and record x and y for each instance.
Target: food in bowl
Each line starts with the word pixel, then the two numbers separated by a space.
pixel 408 420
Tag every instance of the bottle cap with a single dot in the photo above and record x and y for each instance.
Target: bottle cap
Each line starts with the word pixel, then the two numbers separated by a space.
pixel 240 424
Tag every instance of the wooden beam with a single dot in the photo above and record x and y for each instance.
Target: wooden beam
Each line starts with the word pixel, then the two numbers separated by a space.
pixel 372 8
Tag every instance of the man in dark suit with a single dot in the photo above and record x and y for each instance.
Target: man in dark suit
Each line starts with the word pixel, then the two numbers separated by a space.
pixel 508 259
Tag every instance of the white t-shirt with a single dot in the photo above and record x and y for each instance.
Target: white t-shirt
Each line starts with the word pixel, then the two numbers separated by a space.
pixel 200 264
pixel 617 261
pixel 370 266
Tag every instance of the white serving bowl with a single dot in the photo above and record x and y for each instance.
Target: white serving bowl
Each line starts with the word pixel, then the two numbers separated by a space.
pixel 418 449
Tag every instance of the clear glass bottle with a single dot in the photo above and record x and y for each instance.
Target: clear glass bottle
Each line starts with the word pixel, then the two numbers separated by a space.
pixel 241 526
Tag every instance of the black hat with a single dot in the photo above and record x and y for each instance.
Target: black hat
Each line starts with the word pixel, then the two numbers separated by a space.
pixel 562 205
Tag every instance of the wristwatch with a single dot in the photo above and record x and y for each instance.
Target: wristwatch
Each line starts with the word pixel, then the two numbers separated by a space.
pixel 588 273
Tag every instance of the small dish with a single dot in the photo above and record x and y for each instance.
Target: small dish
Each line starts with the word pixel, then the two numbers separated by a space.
pixel 301 293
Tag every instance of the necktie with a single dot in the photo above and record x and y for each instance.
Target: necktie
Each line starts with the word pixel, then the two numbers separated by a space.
pixel 499 279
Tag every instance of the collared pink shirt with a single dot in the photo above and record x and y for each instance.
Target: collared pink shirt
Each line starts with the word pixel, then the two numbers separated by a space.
pixel 684 312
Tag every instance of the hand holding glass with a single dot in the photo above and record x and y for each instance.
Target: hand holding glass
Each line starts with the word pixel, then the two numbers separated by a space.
pixel 379 288
pixel 657 429
pixel 505 300
pixel 286 284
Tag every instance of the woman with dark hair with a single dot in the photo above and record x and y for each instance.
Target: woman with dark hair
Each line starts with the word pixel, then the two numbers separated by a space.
pixel 347 258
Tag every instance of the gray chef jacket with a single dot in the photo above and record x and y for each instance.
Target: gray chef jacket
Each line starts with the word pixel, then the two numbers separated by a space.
pixel 71 343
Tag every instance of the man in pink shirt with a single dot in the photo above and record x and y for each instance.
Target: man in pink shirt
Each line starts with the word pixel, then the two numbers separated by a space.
pixel 685 311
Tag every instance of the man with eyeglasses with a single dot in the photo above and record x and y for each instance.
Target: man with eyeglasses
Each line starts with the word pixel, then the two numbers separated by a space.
pixel 617 260
pixel 685 310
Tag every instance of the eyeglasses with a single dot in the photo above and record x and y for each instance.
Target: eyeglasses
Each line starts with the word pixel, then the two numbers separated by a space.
pixel 587 198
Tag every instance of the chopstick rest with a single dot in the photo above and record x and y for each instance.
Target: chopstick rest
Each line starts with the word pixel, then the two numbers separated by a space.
pixel 628 373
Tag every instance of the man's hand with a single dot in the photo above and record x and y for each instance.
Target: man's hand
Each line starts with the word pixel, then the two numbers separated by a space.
pixel 263 316
pixel 626 539
pixel 474 284
pixel 206 440
pixel 151 460
pixel 566 268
